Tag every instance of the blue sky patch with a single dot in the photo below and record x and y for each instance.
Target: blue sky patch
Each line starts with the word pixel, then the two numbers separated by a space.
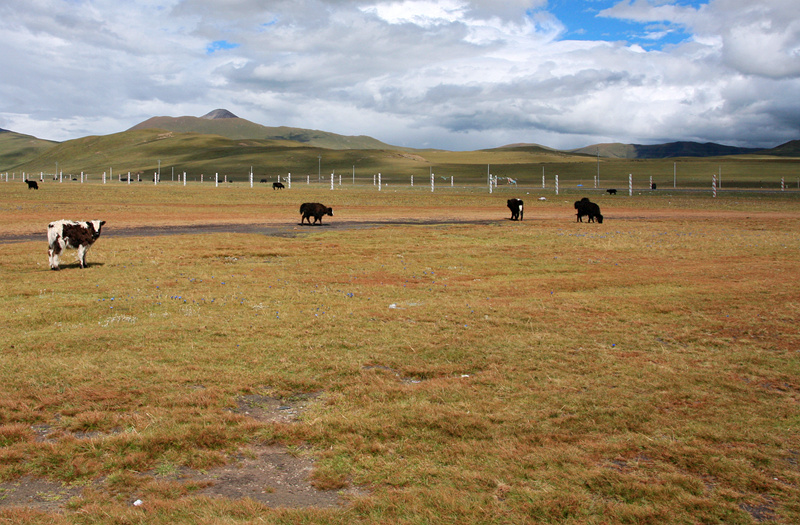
pixel 582 22
pixel 220 45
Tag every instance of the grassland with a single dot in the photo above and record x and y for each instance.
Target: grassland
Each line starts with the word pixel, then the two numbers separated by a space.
pixel 643 370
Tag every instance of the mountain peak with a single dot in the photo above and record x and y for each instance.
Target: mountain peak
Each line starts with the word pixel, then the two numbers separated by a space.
pixel 219 114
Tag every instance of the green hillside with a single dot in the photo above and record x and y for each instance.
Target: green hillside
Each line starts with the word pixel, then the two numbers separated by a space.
pixel 16 148
pixel 789 149
pixel 140 151
pixel 239 128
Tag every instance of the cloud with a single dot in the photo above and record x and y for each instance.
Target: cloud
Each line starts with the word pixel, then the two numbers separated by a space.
pixel 752 38
pixel 456 74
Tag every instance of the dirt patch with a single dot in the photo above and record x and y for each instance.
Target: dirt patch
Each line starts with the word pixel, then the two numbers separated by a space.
pixel 270 474
pixel 271 409
pixel 273 476
pixel 47 496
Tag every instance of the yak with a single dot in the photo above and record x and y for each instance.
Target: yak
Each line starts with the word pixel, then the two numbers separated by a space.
pixel 65 234
pixel 588 208
pixel 316 210
pixel 515 205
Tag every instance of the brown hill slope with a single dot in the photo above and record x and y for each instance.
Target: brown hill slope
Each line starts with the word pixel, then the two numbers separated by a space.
pixel 224 123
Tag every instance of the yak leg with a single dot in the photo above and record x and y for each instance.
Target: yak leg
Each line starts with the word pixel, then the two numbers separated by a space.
pixel 82 249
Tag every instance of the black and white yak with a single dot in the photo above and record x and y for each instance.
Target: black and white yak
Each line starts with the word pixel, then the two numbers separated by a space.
pixel 515 205
pixel 65 234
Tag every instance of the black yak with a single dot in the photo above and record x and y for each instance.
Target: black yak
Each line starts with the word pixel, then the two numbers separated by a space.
pixel 586 207
pixel 316 210
pixel 32 185
pixel 515 205
pixel 277 186
pixel 611 191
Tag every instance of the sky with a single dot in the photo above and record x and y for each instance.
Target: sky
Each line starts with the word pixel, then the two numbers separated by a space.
pixel 449 74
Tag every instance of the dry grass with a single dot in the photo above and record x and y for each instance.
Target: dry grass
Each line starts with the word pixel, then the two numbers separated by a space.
pixel 640 371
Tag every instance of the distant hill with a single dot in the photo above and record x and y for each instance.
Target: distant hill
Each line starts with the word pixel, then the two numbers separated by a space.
pixel 16 148
pixel 664 151
pixel 789 149
pixel 528 147
pixel 143 151
pixel 224 123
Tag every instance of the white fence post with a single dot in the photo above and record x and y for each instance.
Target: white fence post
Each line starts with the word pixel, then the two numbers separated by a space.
pixel 379 182
pixel 714 185
pixel 630 184
pixel 556 184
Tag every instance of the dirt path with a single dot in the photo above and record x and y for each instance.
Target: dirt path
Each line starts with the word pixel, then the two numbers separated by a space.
pixel 276 228
pixel 269 229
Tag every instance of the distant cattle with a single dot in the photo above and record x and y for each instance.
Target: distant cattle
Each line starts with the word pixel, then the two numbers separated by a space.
pixel 588 208
pixel 515 205
pixel 316 210
pixel 71 234
pixel 263 181
pixel 32 185
pixel 611 191
pixel 277 186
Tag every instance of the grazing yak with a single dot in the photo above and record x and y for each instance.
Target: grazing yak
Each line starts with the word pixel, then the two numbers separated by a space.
pixel 316 210
pixel 277 186
pixel 71 234
pixel 611 191
pixel 32 184
pixel 586 207
pixel 515 205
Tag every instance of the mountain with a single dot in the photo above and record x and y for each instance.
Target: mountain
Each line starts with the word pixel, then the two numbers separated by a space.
pixel 224 123
pixel 663 151
pixel 218 114
pixel 16 148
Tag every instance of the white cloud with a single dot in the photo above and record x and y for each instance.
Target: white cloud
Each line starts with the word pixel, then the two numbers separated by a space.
pixel 457 74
